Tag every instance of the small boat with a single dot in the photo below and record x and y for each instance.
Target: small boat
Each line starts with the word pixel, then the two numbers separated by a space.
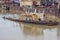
pixel 50 23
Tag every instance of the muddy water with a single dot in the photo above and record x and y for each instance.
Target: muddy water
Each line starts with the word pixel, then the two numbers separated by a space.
pixel 10 30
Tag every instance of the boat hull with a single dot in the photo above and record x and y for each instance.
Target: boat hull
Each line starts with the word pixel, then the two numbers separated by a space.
pixel 33 22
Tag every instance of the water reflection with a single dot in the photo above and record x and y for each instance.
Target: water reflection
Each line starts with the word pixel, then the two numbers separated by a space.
pixel 36 32
pixel 50 34
pixel 31 30
pixel 10 30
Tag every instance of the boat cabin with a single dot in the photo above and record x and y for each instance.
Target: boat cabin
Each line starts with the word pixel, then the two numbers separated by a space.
pixel 35 14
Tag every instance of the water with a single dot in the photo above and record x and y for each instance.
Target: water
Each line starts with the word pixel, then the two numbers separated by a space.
pixel 10 30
